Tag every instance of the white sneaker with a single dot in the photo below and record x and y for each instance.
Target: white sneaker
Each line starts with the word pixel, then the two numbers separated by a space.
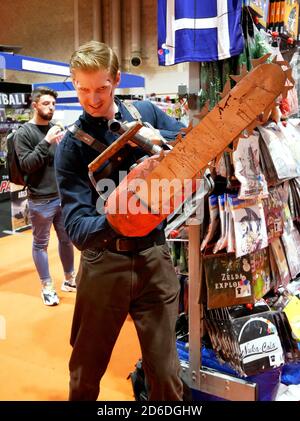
pixel 49 296
pixel 69 285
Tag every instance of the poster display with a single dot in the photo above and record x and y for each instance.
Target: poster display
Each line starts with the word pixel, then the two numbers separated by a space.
pixel 5 204
pixel 14 111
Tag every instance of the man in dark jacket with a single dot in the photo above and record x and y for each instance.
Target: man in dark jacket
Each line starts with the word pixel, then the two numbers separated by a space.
pixel 36 143
pixel 137 278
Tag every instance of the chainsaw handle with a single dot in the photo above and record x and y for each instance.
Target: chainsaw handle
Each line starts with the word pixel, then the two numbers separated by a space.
pixel 139 140
pixel 114 147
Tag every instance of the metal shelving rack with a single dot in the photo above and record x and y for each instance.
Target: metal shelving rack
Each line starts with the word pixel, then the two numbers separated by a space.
pixel 195 375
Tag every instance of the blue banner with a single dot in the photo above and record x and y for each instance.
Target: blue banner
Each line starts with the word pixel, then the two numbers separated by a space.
pixel 198 30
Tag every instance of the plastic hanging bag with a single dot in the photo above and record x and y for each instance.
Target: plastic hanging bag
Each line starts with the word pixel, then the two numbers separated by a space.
pixel 281 155
pixel 214 220
pixel 247 169
pixel 249 226
pixel 289 105
pixel 261 45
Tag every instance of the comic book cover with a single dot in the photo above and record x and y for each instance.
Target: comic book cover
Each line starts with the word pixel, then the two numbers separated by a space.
pixel 249 226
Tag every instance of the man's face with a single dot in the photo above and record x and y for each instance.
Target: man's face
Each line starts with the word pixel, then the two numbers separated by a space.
pixel 45 107
pixel 95 90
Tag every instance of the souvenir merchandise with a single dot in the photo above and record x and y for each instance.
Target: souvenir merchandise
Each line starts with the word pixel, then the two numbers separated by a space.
pixel 291 243
pixel 214 220
pixel 273 214
pixel 229 280
pixel 261 270
pixel 292 311
pixel 281 155
pixel 259 342
pixel 266 163
pixel 247 169
pixel 294 199
pixel 291 136
pixel 223 212
pixel 246 338
pixel 280 260
pixel 249 226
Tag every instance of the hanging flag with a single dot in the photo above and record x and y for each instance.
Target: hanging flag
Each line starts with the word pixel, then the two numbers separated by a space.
pixel 197 30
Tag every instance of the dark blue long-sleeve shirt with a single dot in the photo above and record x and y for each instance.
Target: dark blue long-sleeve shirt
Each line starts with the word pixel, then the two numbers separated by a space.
pixel 85 226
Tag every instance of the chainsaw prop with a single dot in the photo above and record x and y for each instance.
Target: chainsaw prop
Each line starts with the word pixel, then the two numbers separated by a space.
pixel 152 189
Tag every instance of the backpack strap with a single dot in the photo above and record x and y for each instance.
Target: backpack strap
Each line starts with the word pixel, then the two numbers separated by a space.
pixel 87 138
pixel 114 162
pixel 133 111
pixel 94 143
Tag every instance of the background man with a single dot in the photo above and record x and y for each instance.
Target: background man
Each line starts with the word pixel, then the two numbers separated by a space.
pixel 36 143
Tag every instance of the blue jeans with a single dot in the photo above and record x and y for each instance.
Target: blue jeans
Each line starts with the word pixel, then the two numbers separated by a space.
pixel 44 213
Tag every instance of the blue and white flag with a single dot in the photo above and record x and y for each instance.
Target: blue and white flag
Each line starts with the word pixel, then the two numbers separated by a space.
pixel 198 30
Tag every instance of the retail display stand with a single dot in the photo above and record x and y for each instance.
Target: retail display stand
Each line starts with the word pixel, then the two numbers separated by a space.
pixel 197 377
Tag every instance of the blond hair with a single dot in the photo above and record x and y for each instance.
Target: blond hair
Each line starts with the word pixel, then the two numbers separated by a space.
pixel 93 56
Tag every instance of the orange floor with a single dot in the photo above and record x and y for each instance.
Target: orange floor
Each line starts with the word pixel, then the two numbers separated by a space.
pixel 34 338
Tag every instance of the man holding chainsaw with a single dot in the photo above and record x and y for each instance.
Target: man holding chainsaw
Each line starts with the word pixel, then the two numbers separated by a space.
pixel 118 275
